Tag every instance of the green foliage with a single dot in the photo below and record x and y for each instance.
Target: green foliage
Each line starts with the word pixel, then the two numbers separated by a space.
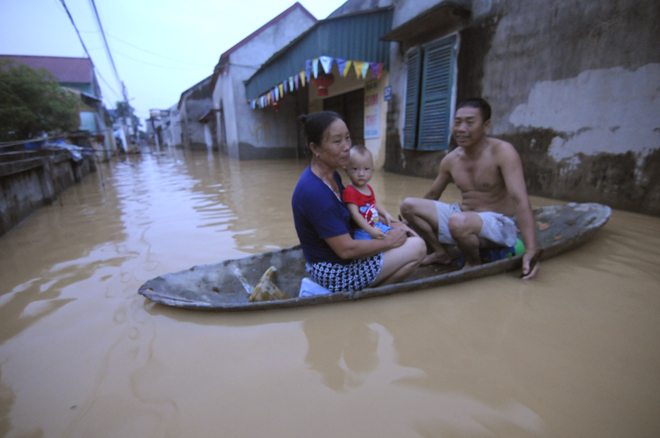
pixel 32 102
pixel 125 111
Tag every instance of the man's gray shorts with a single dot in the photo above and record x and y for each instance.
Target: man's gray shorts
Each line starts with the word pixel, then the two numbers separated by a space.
pixel 497 228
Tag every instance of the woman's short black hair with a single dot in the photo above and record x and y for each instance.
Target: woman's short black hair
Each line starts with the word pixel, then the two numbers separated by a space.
pixel 317 124
pixel 478 103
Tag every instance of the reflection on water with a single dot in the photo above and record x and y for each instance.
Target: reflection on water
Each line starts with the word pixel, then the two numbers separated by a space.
pixel 573 353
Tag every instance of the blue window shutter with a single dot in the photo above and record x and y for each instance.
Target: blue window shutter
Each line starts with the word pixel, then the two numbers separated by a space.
pixel 437 83
pixel 414 64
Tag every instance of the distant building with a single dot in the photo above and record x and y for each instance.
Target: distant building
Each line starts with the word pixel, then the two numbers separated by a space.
pixel 76 75
pixel 192 108
pixel 241 132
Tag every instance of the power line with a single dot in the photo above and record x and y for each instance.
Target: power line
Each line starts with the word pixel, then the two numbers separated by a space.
pixel 161 66
pixel 156 54
pixel 107 47
pixel 77 32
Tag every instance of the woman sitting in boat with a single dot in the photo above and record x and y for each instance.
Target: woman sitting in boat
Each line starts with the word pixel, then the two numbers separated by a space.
pixel 323 222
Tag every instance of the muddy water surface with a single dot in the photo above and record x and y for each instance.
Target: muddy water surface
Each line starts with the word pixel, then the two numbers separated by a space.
pixel 576 353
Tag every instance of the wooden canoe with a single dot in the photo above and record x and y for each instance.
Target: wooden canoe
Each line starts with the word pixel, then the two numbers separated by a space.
pixel 226 286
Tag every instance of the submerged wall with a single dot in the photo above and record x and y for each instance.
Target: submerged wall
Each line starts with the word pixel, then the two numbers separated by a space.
pixel 31 179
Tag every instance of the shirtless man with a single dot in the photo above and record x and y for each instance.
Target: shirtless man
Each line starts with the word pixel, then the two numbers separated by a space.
pixel 488 172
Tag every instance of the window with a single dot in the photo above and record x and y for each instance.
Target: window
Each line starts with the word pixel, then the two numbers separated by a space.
pixel 429 95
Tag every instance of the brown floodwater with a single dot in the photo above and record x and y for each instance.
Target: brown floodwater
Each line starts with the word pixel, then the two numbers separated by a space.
pixel 575 353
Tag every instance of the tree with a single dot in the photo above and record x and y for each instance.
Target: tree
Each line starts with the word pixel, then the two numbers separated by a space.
pixel 124 112
pixel 32 102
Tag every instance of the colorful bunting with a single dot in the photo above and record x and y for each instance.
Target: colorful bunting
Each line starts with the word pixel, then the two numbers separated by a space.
pixel 315 67
pixel 300 80
pixel 358 68
pixel 365 69
pixel 341 66
pixel 380 70
pixel 374 68
pixel 326 63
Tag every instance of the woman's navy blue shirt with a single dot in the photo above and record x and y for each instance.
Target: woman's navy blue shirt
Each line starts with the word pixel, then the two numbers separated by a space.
pixel 318 214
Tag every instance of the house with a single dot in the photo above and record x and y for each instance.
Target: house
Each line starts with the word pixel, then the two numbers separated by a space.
pixel 76 75
pixel 573 86
pixel 241 132
pixel 195 103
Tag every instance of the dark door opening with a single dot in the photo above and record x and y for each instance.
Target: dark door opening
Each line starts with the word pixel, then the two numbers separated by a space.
pixel 350 106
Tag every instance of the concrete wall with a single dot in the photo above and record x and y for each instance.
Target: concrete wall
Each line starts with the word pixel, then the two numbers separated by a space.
pixel 260 133
pixel 196 101
pixel 573 86
pixel 31 179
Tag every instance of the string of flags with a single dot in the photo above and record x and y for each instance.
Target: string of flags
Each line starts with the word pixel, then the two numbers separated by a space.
pixel 312 70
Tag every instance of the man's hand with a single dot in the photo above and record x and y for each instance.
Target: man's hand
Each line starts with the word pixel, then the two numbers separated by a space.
pixel 530 265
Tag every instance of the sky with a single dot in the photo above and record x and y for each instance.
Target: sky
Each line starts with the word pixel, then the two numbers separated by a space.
pixel 160 47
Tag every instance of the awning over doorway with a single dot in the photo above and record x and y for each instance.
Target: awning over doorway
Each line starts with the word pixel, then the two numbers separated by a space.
pixel 353 36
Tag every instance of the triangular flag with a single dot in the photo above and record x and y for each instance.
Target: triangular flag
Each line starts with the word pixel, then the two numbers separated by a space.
pixel 341 64
pixel 380 70
pixel 374 68
pixel 347 68
pixel 308 70
pixel 286 87
pixel 326 62
pixel 269 97
pixel 302 78
pixel 290 83
pixel 365 70
pixel 315 67
pixel 358 68
pixel 281 89
pixel 296 80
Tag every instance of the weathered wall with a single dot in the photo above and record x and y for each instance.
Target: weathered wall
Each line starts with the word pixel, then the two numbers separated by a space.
pixel 196 102
pixel 31 179
pixel 573 86
pixel 260 133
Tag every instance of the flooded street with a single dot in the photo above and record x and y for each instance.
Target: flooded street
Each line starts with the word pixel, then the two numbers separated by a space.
pixel 575 353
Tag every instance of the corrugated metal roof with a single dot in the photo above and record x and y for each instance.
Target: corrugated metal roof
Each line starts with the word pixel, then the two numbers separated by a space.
pixel 65 69
pixel 354 37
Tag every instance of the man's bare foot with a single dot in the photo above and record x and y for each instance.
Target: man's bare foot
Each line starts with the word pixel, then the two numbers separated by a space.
pixel 436 258
pixel 468 265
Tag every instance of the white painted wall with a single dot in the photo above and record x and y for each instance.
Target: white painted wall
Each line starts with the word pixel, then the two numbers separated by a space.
pixel 259 128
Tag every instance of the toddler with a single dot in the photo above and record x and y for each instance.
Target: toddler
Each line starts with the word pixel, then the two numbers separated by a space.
pixel 372 219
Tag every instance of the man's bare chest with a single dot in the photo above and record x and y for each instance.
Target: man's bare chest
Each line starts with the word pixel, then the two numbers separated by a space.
pixel 477 176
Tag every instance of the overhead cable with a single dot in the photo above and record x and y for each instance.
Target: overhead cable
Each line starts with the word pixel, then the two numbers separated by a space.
pixel 105 41
pixel 156 54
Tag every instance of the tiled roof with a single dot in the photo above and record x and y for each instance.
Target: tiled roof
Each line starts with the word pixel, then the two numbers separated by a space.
pixel 65 69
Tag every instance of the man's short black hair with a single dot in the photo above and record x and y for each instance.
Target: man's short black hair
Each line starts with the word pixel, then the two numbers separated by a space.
pixel 478 103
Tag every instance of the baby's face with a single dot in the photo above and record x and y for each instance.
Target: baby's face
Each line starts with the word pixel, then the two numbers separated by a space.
pixel 360 168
